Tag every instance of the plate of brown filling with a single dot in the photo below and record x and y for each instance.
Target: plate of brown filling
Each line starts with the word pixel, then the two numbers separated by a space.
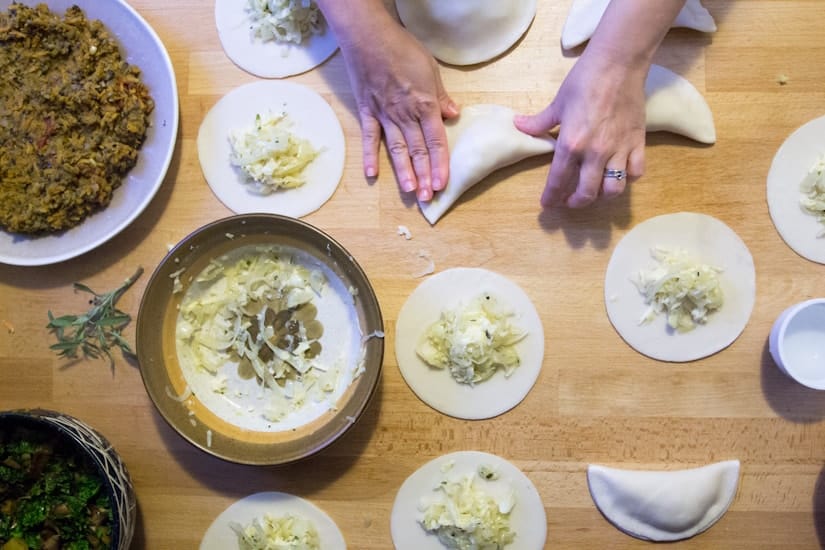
pixel 88 122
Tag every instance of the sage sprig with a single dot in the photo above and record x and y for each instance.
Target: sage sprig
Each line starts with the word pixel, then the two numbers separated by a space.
pixel 95 333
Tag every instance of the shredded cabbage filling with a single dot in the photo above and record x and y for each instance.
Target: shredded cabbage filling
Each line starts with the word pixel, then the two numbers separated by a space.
pixel 685 290
pixel 288 532
pixel 813 191
pixel 288 21
pixel 473 341
pixel 269 155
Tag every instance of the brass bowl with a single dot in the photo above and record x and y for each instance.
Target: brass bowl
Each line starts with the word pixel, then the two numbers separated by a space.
pixel 161 369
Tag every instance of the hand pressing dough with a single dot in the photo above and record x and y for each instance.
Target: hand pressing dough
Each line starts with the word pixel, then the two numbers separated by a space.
pixel 709 241
pixel 664 505
pixel 673 104
pixel 466 32
pixel 482 140
pixel 584 17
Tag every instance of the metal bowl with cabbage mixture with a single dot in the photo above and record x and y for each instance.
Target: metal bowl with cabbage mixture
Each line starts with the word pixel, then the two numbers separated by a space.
pixel 270 340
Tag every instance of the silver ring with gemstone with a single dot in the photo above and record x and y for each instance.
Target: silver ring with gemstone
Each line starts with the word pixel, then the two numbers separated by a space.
pixel 614 173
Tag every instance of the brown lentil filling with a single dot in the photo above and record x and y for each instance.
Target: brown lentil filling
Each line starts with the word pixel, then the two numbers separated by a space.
pixel 73 115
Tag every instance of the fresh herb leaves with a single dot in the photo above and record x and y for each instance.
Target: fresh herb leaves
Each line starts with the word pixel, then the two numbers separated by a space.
pixel 97 331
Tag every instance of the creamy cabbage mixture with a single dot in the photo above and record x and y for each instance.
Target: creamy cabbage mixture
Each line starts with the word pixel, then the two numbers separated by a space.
pixel 464 516
pixel 268 337
pixel 813 191
pixel 473 341
pixel 287 532
pixel 269 155
pixel 290 21
pixel 681 287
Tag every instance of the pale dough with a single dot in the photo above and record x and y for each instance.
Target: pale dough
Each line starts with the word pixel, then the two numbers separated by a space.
pixel 664 505
pixel 466 32
pixel 673 104
pixel 436 387
pixel 709 241
pixel 528 519
pixel 219 536
pixel 584 17
pixel 791 163
pixel 311 118
pixel 267 59
pixel 482 140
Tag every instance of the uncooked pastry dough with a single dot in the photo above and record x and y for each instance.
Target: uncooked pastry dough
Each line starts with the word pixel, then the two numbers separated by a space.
pixel 435 387
pixel 219 536
pixel 709 241
pixel 664 505
pixel 267 59
pixel 528 519
pixel 466 32
pixel 311 117
pixel 673 104
pixel 584 17
pixel 790 165
pixel 481 140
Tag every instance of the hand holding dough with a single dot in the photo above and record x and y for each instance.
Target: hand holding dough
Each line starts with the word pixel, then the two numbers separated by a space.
pixel 584 17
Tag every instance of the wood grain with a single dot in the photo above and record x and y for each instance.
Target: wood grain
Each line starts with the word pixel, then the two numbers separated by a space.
pixel 596 400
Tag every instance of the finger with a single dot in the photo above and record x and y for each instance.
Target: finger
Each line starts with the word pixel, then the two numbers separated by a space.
pixel 370 141
pixel 590 182
pixel 636 163
pixel 420 156
pixel 435 138
pixel 400 157
pixel 538 124
pixel 614 185
pixel 561 180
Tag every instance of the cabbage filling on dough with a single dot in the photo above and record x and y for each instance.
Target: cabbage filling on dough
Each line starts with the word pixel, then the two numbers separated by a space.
pixel 682 288
pixel 288 532
pixel 473 341
pixel 254 309
pixel 269 155
pixel 287 21
pixel 813 190
pixel 465 517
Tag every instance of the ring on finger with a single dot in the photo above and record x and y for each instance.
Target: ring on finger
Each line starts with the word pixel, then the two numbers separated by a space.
pixel 619 175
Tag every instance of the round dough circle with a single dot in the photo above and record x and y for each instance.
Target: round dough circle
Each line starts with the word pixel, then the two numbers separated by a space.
pixel 528 519
pixel 466 32
pixel 267 59
pixel 436 387
pixel 311 118
pixel 709 241
pixel 790 165
pixel 219 536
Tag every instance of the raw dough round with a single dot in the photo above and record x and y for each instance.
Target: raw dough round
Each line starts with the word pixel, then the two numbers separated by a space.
pixel 267 59
pixel 311 118
pixel 527 520
pixel 709 241
pixel 792 162
pixel 436 387
pixel 219 536
pixel 466 32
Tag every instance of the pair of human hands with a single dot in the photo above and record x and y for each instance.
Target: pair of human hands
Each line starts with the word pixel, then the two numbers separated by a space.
pixel 599 112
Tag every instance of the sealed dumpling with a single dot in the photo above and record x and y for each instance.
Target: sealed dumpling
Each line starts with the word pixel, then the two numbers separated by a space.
pixel 673 104
pixel 481 140
pixel 664 505
pixel 584 17
pixel 466 32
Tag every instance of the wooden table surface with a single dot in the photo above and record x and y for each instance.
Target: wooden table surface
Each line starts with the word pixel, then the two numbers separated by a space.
pixel 596 400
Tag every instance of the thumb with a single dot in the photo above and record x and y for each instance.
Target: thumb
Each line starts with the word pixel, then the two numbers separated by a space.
pixel 449 108
pixel 539 124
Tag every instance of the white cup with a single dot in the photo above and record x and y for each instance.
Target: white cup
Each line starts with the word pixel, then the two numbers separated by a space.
pixel 797 343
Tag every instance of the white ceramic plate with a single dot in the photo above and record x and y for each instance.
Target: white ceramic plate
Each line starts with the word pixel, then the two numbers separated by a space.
pixel 142 48
pixel 790 165
pixel 311 118
pixel 436 387
pixel 267 59
pixel 219 536
pixel 710 242
pixel 528 519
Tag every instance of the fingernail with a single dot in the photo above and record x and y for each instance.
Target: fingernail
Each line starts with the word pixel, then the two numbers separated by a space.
pixel 407 186
pixel 425 194
pixel 370 171
pixel 437 185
